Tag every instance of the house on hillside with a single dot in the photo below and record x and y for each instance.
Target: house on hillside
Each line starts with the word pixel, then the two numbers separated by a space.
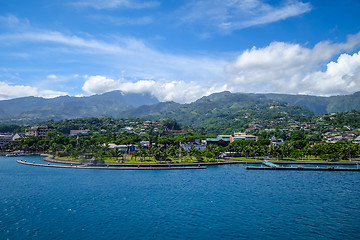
pixel 276 141
pixel 357 140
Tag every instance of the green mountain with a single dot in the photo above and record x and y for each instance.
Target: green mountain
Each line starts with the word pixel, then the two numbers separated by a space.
pixel 154 110
pixel 320 105
pixel 34 109
pixel 314 103
pixel 222 112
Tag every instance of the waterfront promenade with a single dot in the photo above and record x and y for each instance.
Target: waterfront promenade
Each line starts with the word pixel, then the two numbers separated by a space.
pixel 107 167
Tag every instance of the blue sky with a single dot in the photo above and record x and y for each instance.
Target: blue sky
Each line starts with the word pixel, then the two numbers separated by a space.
pixel 178 50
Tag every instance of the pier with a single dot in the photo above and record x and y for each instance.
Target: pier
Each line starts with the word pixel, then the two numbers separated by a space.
pixel 139 167
pixel 271 166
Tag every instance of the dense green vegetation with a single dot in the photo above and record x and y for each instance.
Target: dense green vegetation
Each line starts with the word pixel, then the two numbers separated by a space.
pixel 226 112
pixel 165 125
pixel 299 144
pixel 321 105
pixel 167 149
pixel 351 119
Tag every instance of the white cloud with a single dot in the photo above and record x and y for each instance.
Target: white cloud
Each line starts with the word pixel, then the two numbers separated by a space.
pixel 164 90
pixel 49 93
pixel 280 67
pixel 9 91
pixel 57 37
pixel 9 20
pixel 291 68
pixel 99 84
pixel 52 76
pixel 270 14
pixel 230 15
pixel 128 53
pixel 341 77
pixel 109 4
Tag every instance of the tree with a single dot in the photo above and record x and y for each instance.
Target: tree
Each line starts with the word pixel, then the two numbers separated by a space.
pixel 136 154
pixel 214 150
pixel 143 153
pixel 193 151
pixel 116 153
pixel 172 150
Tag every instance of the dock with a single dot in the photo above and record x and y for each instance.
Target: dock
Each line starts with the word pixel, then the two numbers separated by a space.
pixel 271 166
pixel 139 167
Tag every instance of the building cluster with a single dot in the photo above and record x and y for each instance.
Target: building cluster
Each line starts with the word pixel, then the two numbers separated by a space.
pixel 283 127
pixel 287 125
pixel 224 140
pixel 10 138
pixel 140 127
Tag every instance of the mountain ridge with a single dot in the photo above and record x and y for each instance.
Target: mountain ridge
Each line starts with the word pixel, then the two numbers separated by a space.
pixel 37 109
pixel 27 110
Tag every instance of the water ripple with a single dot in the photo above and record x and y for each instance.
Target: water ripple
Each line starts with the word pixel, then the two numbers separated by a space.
pixel 224 202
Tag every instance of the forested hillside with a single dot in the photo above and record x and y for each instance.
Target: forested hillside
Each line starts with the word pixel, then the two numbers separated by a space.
pixel 225 112
pixel 321 105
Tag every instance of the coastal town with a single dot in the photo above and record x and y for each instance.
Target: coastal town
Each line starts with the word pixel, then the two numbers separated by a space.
pixel 282 138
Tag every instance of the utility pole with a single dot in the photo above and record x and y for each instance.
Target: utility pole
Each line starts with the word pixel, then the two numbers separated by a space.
pixel 180 152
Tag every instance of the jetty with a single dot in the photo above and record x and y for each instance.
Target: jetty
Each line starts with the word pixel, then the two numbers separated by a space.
pixel 107 167
pixel 272 166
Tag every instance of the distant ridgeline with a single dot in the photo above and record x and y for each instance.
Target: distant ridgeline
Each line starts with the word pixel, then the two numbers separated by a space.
pixel 30 110
pixel 321 105
pixel 225 110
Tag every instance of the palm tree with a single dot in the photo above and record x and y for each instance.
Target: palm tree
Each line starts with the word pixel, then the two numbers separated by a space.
pixel 172 150
pixel 214 150
pixel 116 153
pixel 143 153
pixel 135 154
pixel 193 151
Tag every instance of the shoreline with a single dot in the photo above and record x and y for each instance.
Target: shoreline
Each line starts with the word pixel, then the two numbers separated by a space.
pixel 111 168
pixel 48 158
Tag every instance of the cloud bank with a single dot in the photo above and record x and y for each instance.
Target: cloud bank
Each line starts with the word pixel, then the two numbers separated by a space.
pixel 278 68
pixel 164 90
pixel 8 91
pixel 291 68
pixel 325 69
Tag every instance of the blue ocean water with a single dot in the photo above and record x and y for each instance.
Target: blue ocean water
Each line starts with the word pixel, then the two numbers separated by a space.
pixel 221 202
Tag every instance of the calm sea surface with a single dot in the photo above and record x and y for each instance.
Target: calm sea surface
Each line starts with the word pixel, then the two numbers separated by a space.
pixel 221 202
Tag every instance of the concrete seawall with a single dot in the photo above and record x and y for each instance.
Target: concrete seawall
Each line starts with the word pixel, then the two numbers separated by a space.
pixel 138 167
